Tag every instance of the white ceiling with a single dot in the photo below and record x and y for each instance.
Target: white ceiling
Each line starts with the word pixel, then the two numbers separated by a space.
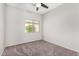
pixel 32 8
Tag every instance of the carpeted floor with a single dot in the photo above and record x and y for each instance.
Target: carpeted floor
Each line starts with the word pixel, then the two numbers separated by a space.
pixel 38 48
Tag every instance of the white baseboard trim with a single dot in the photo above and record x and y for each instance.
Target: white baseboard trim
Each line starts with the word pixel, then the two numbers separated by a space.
pixel 1 52
pixel 62 46
pixel 20 43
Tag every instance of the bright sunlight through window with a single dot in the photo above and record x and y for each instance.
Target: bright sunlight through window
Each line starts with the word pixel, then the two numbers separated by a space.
pixel 32 26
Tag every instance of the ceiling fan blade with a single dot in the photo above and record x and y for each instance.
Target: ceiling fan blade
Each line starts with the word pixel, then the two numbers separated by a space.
pixel 43 5
pixel 37 8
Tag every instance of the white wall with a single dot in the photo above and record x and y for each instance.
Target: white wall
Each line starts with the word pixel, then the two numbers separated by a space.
pixel 61 26
pixel 15 31
pixel 1 28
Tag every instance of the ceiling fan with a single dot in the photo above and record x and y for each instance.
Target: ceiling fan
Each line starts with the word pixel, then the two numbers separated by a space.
pixel 38 5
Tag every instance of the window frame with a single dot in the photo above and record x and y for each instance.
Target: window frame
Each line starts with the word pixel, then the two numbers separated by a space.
pixel 32 25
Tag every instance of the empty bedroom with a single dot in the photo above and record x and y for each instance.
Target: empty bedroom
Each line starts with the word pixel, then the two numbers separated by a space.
pixel 39 29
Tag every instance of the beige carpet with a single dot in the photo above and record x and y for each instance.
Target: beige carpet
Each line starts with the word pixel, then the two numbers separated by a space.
pixel 38 48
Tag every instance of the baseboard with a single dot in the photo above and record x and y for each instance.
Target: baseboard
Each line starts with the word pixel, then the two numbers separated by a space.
pixel 1 52
pixel 22 43
pixel 62 46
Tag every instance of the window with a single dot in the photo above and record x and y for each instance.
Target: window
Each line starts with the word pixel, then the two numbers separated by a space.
pixel 32 26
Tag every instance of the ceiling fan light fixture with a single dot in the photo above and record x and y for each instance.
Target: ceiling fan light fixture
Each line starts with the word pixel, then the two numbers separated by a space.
pixel 38 5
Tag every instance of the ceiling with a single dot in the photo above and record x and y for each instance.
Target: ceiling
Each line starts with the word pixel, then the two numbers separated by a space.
pixel 30 7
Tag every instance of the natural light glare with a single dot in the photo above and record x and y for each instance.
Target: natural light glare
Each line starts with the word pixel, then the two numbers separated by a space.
pixel 37 27
pixel 32 26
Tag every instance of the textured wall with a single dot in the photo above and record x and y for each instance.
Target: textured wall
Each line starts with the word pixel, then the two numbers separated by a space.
pixel 1 28
pixel 61 26
pixel 15 26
